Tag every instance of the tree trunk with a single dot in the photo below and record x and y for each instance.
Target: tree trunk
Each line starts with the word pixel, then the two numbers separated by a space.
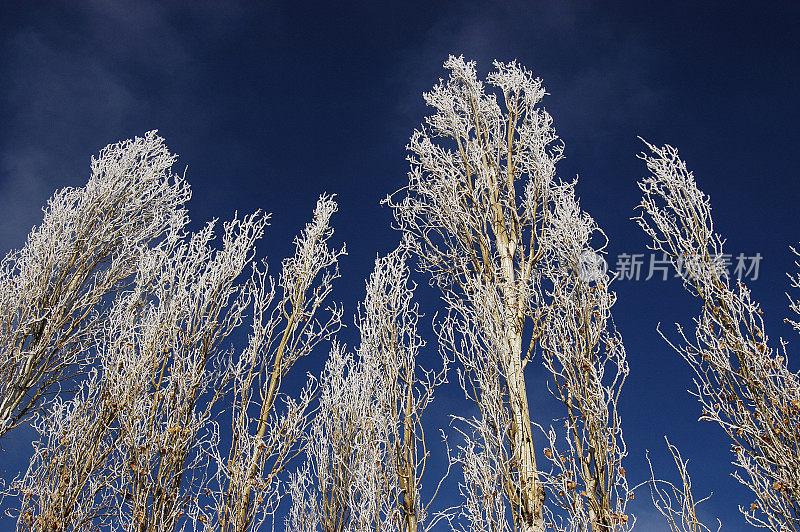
pixel 525 490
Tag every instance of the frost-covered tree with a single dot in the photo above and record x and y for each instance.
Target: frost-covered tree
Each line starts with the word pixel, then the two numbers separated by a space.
pixel 341 486
pixel 367 449
pixel 742 382
pixel 586 359
pixel 53 291
pixel 506 241
pixel 288 322
pixel 139 446
pixel 129 450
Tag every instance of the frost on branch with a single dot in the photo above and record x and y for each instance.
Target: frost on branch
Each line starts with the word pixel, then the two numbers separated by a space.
pixel 367 450
pixel 52 291
pixel 139 447
pixel 502 236
pixel 742 383
pixel 289 320
pixel 677 503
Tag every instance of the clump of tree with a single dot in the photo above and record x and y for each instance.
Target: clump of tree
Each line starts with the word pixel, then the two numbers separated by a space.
pixel 118 331
pixel 139 445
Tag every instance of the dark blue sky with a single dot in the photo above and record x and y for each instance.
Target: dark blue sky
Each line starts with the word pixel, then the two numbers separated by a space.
pixel 270 104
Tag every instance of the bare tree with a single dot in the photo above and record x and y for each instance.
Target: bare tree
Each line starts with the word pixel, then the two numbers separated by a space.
pixel 52 291
pixel 344 480
pixel 285 329
pixel 586 358
pixel 390 347
pixel 198 303
pixel 503 238
pixel 743 384
pixel 367 447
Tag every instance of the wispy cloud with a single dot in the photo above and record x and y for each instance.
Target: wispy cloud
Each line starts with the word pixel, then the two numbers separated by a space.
pixel 59 97
pixel 599 80
pixel 72 91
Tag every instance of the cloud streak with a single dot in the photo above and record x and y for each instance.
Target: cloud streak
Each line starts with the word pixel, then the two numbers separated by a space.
pixel 71 93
